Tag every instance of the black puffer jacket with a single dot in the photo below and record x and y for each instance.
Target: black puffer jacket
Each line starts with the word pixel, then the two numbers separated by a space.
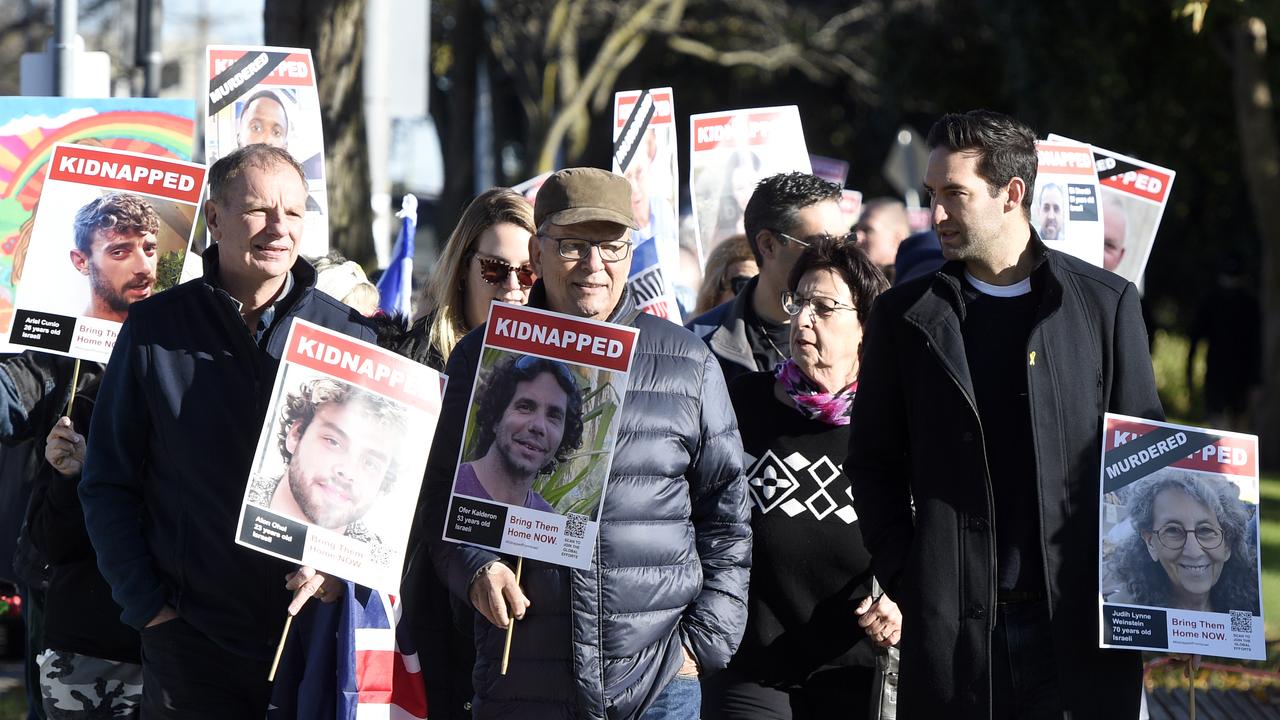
pixel 672 557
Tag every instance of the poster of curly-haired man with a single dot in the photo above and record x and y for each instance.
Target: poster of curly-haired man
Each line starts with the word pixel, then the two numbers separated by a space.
pixel 340 457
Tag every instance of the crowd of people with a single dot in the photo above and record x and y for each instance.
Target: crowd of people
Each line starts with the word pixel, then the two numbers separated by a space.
pixel 818 473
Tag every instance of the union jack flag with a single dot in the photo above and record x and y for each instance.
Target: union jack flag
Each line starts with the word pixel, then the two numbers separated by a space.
pixel 350 660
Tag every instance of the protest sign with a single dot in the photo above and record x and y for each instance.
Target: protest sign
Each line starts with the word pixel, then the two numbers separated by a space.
pixel 540 432
pixel 268 95
pixel 30 127
pixel 1134 196
pixel 1066 208
pixel 340 458
pixel 731 152
pixel 644 151
pixel 112 228
pixel 850 206
pixel 529 188
pixel 1178 562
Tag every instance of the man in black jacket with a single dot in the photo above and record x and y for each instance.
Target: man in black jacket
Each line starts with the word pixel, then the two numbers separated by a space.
pixel 976 442
pixel 784 215
pixel 170 450
pixel 665 595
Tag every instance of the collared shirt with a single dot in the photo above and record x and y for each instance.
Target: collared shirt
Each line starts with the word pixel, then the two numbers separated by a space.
pixel 264 320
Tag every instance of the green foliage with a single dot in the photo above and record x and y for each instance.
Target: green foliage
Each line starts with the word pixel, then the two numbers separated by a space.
pixel 169 269
pixel 1182 403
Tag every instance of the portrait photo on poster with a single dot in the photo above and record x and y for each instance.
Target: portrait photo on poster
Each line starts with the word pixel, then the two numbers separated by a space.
pixel 1186 540
pixel 333 458
pixel 539 434
pixel 101 250
pixel 1178 548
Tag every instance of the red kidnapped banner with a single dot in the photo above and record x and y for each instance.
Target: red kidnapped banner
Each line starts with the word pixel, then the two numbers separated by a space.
pixel 731 130
pixel 293 70
pixel 365 365
pixel 537 332
pixel 1069 159
pixel 1144 182
pixel 662 114
pixel 99 167
pixel 1230 455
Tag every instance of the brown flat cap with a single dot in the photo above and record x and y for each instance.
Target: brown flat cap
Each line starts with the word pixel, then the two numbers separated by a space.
pixel 584 194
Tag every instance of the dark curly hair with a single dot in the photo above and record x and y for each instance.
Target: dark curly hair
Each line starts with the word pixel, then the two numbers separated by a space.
pixel 300 407
pixel 1006 148
pixel 501 388
pixel 1146 581
pixel 115 213
pixel 778 198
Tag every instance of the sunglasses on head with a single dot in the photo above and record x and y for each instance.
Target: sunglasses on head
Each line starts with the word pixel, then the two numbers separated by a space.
pixel 495 272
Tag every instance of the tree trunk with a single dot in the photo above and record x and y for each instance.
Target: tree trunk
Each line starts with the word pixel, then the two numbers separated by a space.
pixel 1261 161
pixel 334 31
pixel 455 118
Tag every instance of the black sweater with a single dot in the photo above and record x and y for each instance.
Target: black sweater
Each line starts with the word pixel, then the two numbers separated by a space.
pixel 809 569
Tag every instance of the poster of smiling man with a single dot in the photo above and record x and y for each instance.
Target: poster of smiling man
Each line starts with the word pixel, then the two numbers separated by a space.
pixel 340 458
pixel 112 228
pixel 539 436
pixel 268 95
pixel 1179 568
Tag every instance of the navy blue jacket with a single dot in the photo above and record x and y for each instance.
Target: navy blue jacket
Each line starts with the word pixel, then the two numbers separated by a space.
pixel 170 448
pixel 671 561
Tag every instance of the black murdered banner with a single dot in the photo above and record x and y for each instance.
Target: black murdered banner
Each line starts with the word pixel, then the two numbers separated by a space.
pixel 1178 548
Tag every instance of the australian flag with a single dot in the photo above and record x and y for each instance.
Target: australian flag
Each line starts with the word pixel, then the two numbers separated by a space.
pixel 395 287
pixel 350 660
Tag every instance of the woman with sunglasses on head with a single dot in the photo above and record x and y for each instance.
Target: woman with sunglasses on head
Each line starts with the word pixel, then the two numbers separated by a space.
pixel 485 259
pixel 812 617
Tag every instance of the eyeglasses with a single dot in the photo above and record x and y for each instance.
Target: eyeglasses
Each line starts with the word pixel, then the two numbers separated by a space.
pixel 579 248
pixel 809 240
pixel 794 304
pixel 495 272
pixel 1174 536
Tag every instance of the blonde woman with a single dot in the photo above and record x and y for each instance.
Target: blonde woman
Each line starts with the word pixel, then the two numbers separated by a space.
pixel 729 266
pixel 485 259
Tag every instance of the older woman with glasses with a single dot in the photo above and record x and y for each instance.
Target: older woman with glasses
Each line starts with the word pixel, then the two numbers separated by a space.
pixel 812 618
pixel 485 259
pixel 1193 545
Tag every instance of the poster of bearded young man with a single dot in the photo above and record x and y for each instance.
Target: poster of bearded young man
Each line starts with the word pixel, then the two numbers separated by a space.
pixel 112 228
pixel 1178 562
pixel 340 458
pixel 540 434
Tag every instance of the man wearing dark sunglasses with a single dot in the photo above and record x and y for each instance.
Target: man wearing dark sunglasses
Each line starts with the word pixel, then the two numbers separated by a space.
pixel 666 594
pixel 786 213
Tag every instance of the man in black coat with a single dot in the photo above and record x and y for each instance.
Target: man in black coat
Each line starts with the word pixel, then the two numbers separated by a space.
pixel 975 447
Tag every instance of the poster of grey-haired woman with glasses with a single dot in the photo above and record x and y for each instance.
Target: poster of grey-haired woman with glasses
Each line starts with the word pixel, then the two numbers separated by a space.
pixel 1178 548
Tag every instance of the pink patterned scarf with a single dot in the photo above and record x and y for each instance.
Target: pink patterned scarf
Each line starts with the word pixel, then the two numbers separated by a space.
pixel 812 401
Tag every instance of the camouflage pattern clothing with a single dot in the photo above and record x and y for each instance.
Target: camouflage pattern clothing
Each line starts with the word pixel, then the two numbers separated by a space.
pixel 81 687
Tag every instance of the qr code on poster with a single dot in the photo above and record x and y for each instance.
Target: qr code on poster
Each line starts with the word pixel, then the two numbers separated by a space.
pixel 1241 621
pixel 575 526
